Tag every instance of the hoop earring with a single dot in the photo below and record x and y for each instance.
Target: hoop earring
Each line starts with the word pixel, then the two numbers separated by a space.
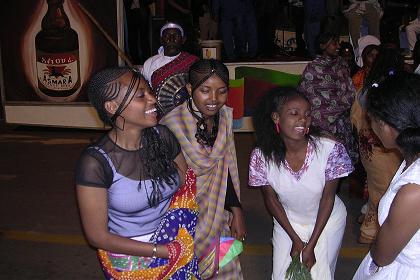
pixel 307 130
pixel 123 124
pixel 278 128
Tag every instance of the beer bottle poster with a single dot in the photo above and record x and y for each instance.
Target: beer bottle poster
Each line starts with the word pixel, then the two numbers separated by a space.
pixel 50 48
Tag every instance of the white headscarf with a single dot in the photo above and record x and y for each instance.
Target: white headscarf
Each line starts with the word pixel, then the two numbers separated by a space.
pixel 363 42
pixel 172 25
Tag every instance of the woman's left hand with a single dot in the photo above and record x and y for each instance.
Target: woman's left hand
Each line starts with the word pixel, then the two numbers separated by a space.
pixel 237 226
pixel 308 257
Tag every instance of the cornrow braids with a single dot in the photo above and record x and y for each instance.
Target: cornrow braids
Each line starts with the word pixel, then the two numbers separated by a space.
pixel 203 69
pixel 132 87
pixel 103 87
pixel 199 72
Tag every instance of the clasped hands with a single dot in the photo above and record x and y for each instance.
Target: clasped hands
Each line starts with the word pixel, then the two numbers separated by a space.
pixel 307 249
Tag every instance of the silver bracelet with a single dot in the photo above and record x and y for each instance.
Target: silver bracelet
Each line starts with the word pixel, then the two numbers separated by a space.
pixel 154 251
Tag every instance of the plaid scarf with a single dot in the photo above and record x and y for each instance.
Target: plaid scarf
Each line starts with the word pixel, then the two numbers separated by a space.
pixel 211 165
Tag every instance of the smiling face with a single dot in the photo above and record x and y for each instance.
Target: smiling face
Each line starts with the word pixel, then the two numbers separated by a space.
pixel 210 96
pixel 172 41
pixel 331 47
pixel 294 118
pixel 141 110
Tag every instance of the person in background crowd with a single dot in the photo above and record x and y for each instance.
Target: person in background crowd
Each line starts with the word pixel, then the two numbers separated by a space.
pixel 267 12
pixel 333 20
pixel 238 27
pixel 297 19
pixel 358 177
pixel 203 126
pixel 379 162
pixel 393 106
pixel 416 58
pixel 170 59
pixel 180 11
pixel 314 13
pixel 413 30
pixel 138 25
pixel 369 54
pixel 298 174
pixel 326 82
pixel 208 24
pixel 360 10
pixel 346 52
pixel 362 43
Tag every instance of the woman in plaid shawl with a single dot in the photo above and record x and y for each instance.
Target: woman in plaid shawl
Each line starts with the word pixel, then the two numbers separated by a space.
pixel 203 126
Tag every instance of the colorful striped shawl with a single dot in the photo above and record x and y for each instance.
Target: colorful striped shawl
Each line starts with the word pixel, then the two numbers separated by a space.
pixel 211 167
pixel 180 64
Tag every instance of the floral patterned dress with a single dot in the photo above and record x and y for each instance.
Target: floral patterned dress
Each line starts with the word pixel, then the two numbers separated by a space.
pixel 326 82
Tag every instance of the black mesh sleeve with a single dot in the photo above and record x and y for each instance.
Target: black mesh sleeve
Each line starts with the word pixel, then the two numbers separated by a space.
pixel 174 148
pixel 93 169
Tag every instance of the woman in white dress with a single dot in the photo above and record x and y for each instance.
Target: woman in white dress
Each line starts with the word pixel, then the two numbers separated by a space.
pixel 394 109
pixel 298 174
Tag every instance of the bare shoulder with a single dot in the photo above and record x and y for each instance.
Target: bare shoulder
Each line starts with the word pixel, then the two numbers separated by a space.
pixel 409 193
pixel 407 202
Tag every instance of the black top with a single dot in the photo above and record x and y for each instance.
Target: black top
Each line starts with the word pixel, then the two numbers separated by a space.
pixel 93 169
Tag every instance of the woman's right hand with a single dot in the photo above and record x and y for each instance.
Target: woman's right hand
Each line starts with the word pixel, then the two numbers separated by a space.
pixel 297 247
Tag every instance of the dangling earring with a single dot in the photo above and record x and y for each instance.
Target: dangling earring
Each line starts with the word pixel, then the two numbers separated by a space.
pixel 307 130
pixel 278 128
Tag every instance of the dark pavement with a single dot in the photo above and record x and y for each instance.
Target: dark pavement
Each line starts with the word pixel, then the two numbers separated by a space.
pixel 40 232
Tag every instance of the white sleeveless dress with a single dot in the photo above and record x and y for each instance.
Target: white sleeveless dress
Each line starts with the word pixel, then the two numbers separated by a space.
pixel 407 264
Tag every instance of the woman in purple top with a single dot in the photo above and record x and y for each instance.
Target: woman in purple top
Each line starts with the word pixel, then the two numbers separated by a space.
pixel 126 183
pixel 298 174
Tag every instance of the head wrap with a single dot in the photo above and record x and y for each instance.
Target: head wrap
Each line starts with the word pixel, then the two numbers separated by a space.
pixel 363 43
pixel 172 25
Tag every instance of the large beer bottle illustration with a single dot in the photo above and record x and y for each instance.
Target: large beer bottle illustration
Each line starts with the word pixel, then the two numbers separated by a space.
pixel 57 54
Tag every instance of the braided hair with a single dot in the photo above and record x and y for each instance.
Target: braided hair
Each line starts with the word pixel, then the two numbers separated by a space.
pixel 199 72
pixel 104 86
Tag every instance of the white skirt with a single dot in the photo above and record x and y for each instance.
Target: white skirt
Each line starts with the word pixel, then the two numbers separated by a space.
pixel 326 250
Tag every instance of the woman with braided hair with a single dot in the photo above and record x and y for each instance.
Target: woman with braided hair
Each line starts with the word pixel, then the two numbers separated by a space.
pixel 136 205
pixel 203 127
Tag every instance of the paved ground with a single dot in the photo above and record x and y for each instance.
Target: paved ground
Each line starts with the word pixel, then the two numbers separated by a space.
pixel 40 233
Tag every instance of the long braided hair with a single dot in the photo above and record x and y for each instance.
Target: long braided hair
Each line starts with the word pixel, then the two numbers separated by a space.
pixel 104 86
pixel 199 72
